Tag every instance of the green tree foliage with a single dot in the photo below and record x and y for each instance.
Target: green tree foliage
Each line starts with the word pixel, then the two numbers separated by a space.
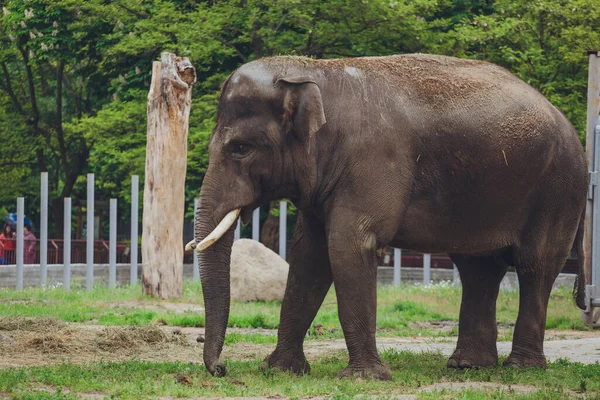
pixel 544 42
pixel 74 75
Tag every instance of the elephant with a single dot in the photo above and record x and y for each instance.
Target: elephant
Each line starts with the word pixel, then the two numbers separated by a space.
pixel 424 152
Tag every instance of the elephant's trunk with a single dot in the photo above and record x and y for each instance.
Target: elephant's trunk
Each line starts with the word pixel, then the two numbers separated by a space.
pixel 214 273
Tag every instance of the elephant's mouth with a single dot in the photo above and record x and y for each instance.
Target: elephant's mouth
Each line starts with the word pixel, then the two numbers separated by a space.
pixel 246 214
pixel 216 234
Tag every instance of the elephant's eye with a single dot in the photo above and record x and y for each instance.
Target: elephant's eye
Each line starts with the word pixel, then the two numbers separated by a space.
pixel 240 150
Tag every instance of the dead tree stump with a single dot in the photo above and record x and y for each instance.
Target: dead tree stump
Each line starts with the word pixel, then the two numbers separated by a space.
pixel 169 103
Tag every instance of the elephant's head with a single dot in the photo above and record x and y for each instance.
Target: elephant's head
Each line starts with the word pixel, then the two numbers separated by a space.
pixel 260 150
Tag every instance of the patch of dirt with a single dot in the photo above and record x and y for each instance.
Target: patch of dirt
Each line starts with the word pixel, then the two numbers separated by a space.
pixel 116 337
pixel 178 308
pixel 54 390
pixel 449 327
pixel 45 341
pixel 435 325
pixel 186 334
pixel 48 342
pixel 63 341
pixel 487 387
pixel 23 301
pixel 568 335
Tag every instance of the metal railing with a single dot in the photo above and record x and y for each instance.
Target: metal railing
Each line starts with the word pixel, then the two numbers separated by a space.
pixel 92 253
pixel 55 252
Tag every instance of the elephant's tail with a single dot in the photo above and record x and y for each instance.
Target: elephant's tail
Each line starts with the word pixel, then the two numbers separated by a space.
pixel 579 287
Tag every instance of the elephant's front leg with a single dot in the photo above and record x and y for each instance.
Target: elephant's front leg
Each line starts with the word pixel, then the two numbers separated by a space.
pixel 353 258
pixel 309 280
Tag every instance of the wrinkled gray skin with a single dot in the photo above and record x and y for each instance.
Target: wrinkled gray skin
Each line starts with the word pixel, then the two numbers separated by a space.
pixel 421 152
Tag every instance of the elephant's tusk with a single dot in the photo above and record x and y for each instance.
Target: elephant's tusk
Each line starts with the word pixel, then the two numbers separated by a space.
pixel 216 234
pixel 191 245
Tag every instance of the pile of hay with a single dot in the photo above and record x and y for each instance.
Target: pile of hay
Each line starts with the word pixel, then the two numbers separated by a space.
pixel 28 324
pixel 129 337
pixel 49 335
pixel 46 335
pixel 53 342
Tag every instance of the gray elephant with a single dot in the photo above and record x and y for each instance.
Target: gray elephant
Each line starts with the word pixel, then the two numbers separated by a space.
pixel 422 152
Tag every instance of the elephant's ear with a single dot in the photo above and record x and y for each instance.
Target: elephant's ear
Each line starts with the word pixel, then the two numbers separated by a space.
pixel 303 106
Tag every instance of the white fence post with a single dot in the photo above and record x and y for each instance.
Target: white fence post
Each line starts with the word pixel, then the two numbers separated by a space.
pixel 282 229
pixel 44 230
pixel 256 224
pixel 426 269
pixel 67 244
pixel 89 235
pixel 20 235
pixel 135 195
pixel 112 248
pixel 237 232
pixel 397 266
pixel 196 267
pixel 595 272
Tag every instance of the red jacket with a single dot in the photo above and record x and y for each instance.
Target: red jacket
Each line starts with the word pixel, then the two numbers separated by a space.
pixel 7 244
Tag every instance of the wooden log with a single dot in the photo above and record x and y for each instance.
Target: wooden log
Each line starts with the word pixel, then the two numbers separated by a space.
pixel 169 103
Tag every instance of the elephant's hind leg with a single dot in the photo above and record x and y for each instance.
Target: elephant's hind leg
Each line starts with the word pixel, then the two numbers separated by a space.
pixel 536 275
pixel 477 329
pixel 309 280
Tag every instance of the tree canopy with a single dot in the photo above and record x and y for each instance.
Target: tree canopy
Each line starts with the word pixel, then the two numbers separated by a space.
pixel 74 75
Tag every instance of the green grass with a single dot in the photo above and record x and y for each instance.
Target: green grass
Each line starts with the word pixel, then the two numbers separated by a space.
pixel 404 311
pixel 256 338
pixel 411 373
pixel 400 310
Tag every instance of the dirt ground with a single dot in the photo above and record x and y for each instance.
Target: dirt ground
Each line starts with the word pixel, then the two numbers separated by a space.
pixel 24 343
pixel 27 342
pixel 447 386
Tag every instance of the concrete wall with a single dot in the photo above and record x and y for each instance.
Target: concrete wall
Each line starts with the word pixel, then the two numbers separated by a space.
pixel 31 275
pixel 385 276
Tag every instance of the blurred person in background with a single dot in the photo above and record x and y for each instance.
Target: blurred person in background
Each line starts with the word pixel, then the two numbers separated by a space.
pixel 7 244
pixel 28 245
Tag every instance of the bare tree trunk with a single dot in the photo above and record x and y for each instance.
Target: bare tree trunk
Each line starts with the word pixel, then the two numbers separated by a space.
pixel 169 103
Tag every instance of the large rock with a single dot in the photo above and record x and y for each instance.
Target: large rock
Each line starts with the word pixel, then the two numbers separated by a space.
pixel 257 273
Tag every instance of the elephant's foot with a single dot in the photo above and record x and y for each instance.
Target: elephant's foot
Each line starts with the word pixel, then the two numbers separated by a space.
pixel 282 361
pixel 472 359
pixel 516 360
pixel 378 371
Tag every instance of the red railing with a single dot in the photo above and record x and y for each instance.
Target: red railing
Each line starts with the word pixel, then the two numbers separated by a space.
pixel 78 252
pixel 410 259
